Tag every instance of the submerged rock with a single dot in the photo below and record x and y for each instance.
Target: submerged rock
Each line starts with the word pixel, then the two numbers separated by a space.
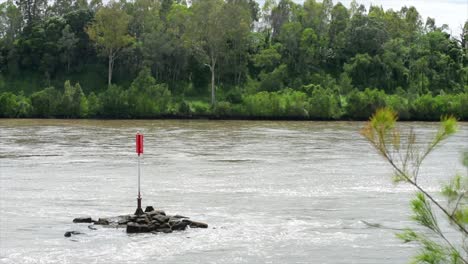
pixel 102 221
pixel 178 216
pixel 179 226
pixel 194 224
pixel 123 221
pixel 83 220
pixel 70 233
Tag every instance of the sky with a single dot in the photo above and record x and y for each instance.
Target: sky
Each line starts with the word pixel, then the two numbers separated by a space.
pixel 454 13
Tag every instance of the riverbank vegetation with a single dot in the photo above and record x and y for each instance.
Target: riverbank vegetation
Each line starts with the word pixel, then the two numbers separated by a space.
pixel 227 59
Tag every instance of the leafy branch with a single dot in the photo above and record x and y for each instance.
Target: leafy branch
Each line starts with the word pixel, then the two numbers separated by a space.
pixel 406 157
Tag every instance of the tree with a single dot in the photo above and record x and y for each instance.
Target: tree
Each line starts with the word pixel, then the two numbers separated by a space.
pixel 67 43
pixel 146 98
pixel 62 7
pixel 110 32
pixel 365 35
pixel 32 10
pixel 237 25
pixel 11 22
pixel 208 35
pixel 280 15
pixel 406 156
pixel 339 22
pixel 74 103
pixel 45 103
pixel 464 38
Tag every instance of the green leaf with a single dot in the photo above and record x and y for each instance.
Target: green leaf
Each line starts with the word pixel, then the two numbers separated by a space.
pixel 423 212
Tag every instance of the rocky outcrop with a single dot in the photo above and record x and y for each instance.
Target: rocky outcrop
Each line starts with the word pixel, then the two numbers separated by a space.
pixel 149 221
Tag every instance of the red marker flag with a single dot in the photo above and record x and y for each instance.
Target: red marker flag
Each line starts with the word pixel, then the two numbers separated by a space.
pixel 139 144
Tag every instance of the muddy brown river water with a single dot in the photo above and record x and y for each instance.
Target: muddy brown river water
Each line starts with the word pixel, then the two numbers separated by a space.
pixel 272 192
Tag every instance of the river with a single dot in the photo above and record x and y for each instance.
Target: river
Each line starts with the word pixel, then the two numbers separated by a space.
pixel 271 192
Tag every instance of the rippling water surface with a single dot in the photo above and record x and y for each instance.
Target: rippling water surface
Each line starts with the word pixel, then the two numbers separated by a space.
pixel 272 192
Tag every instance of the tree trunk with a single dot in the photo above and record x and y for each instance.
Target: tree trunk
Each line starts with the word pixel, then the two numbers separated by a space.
pixel 109 73
pixel 212 69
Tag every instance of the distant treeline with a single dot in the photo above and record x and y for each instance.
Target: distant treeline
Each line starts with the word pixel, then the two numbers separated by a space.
pixel 227 59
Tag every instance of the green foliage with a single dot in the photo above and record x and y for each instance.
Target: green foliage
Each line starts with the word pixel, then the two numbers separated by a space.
pixel 223 109
pixel 94 105
pixel 273 81
pixel 294 104
pixel 45 103
pixel 110 33
pixel 262 104
pixel 199 108
pixel 74 103
pixel 406 156
pixel 324 104
pixel 361 105
pixel 8 105
pixel 288 103
pixel 360 60
pixel 114 102
pixel 423 214
pixel 146 98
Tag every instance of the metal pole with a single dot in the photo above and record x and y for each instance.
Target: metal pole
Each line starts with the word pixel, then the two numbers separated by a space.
pixel 139 195
pixel 138 175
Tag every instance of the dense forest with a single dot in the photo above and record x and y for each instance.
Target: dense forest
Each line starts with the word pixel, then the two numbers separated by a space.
pixel 227 59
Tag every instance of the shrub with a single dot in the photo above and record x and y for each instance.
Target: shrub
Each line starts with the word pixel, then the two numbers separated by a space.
pixel 324 104
pixel 45 103
pixel 361 105
pixel 8 105
pixel 114 102
pixel 146 98
pixel 223 109
pixel 200 108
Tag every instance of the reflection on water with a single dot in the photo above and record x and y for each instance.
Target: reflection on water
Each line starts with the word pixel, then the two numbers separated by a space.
pixel 277 192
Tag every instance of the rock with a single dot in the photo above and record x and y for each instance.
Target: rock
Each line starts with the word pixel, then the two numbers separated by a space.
pixel 83 220
pixel 133 227
pixel 165 225
pixel 70 233
pixel 102 221
pixel 161 218
pixel 133 217
pixel 179 226
pixel 142 220
pixel 179 216
pixel 146 228
pixel 92 227
pixel 149 209
pixel 194 224
pixel 161 212
pixel 156 212
pixel 123 221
